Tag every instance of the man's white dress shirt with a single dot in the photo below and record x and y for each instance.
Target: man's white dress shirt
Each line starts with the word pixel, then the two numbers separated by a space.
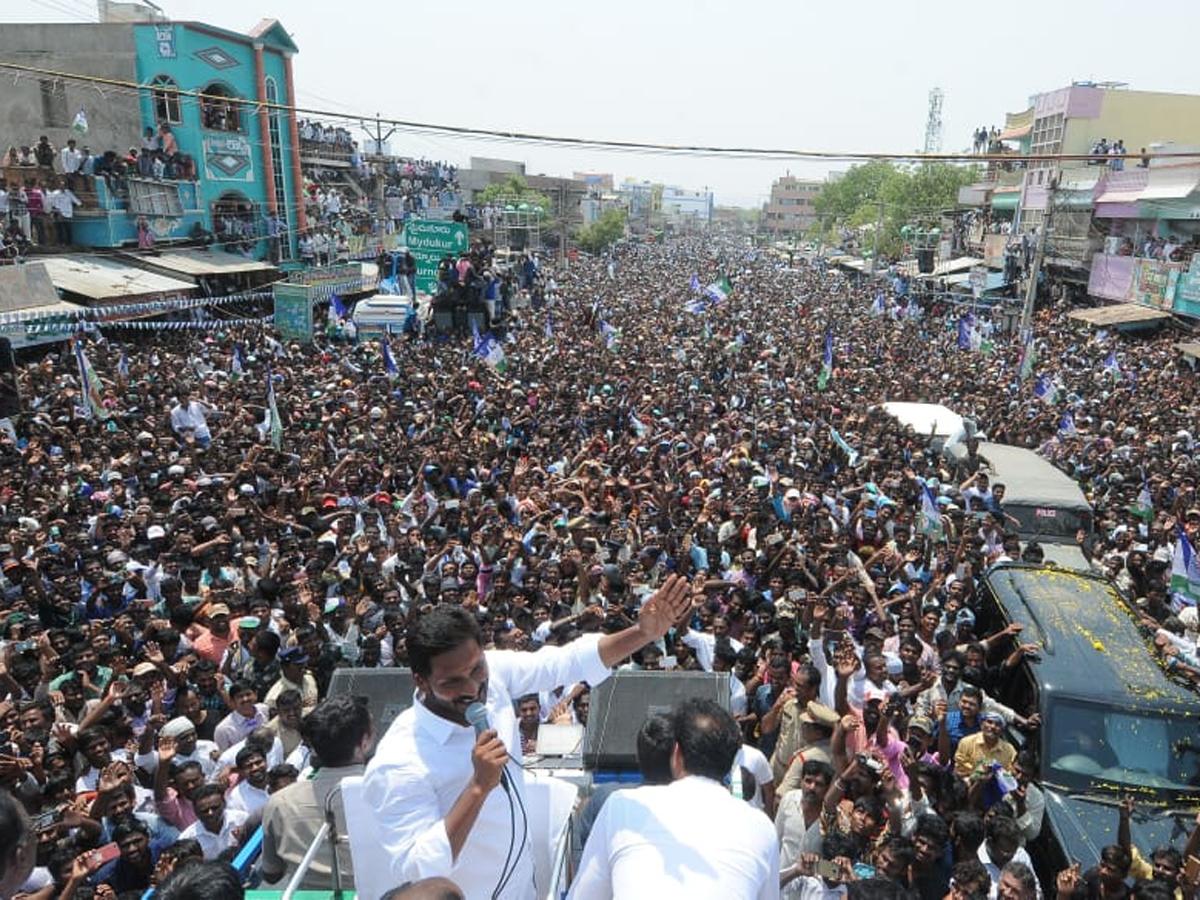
pixel 690 838
pixel 423 764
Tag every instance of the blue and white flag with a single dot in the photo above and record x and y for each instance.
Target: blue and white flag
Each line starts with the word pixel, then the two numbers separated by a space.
pixel 339 308
pixel 1046 390
pixel 550 326
pixel 236 367
pixel 489 350
pixel 611 335
pixel 1185 572
pixel 695 285
pixel 1143 506
pixel 695 307
pixel 1112 367
pixel 276 425
pixel 1067 425
pixel 966 332
pixel 92 389
pixel 718 290
pixel 123 365
pixel 931 515
pixel 389 364
pixel 826 363
pixel 878 308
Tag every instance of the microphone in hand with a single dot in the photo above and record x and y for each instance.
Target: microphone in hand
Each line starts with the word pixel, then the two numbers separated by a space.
pixel 489 757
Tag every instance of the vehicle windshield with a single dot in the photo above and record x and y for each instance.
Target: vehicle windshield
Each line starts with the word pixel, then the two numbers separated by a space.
pixel 1049 521
pixel 1092 746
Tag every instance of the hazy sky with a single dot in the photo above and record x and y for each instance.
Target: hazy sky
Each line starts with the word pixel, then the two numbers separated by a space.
pixel 788 74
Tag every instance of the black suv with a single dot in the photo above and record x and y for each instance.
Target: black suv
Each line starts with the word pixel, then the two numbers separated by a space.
pixel 1113 721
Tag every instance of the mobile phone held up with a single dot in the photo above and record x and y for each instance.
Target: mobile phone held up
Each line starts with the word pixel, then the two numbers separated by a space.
pixel 102 856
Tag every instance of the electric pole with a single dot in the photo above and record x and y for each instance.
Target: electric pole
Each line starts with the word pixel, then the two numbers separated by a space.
pixel 1038 255
pixel 380 177
pixel 875 250
pixel 562 212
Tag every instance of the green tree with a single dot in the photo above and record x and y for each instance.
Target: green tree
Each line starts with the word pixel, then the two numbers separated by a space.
pixel 513 189
pixel 604 231
pixel 907 196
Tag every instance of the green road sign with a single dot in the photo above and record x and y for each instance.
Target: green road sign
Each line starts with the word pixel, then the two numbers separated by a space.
pixel 293 313
pixel 428 241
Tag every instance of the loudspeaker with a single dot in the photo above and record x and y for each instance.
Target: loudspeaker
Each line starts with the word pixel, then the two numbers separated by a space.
pixel 623 702
pixel 516 239
pixel 10 397
pixel 389 692
pixel 925 261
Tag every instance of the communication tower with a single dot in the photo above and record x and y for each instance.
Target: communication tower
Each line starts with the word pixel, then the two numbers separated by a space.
pixel 933 122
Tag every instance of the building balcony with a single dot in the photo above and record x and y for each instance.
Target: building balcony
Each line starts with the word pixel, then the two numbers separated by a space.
pixel 172 209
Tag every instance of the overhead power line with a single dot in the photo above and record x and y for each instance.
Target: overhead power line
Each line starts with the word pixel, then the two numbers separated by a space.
pixel 571 142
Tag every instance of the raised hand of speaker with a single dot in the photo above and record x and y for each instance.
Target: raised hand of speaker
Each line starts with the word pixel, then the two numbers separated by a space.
pixel 665 607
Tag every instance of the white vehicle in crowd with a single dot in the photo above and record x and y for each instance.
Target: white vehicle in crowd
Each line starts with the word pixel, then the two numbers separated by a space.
pixel 388 314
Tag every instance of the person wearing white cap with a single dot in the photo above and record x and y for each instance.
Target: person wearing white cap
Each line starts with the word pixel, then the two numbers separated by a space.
pixel 189 748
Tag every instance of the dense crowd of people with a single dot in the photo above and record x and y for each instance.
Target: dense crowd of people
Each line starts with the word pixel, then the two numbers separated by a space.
pixel 177 591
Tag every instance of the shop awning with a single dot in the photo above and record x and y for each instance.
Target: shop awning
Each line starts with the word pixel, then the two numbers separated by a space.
pixel 1171 182
pixel 1006 200
pixel 104 279
pixel 959 264
pixel 1119 314
pixel 1189 348
pixel 1123 187
pixel 195 263
pixel 1017 125
pixel 27 292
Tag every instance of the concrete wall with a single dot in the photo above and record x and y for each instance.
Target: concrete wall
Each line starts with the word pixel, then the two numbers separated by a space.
pixel 1139 118
pixel 104 51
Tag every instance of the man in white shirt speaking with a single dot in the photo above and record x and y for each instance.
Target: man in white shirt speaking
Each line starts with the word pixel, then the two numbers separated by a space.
pixel 432 783
pixel 691 838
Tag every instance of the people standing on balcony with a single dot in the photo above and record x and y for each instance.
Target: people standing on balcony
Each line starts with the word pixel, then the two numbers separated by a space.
pixel 1099 149
pixel 150 146
pixel 275 232
pixel 18 205
pixel 1144 162
pixel 36 202
pixel 62 202
pixel 1117 156
pixel 44 153
pixel 167 142
pixel 68 159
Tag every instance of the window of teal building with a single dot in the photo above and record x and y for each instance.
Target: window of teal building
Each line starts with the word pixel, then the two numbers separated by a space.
pixel 220 108
pixel 164 93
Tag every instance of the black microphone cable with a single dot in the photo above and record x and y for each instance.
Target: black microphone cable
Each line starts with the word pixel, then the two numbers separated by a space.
pixel 506 877
pixel 477 716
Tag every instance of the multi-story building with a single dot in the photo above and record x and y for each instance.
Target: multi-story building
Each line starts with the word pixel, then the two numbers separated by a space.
pixel 224 98
pixel 1099 198
pixel 791 210
pixel 687 209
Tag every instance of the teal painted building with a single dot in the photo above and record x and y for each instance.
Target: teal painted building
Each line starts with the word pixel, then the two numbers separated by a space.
pixel 228 101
